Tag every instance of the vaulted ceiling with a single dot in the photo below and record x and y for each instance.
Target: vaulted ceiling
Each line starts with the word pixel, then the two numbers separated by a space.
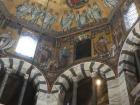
pixel 60 9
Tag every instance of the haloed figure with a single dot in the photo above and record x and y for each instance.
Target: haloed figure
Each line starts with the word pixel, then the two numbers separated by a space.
pixel 23 10
pixel 101 46
pixel 89 14
pixel 49 19
pixel 36 14
pixel 67 20
pixel 52 20
pixel 6 42
pixel 64 56
pixel 96 11
pixel 80 18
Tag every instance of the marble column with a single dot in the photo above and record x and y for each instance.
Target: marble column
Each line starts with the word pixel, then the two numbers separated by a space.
pixel 74 95
pixel 4 81
pixel 61 96
pixel 124 95
pixel 23 89
pixel 114 92
pixel 94 90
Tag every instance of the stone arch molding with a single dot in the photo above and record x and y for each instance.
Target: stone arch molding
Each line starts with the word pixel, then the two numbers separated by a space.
pixel 132 43
pixel 18 66
pixel 84 70
pixel 127 64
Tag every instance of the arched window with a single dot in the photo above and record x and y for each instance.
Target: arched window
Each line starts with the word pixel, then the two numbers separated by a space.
pixel 130 16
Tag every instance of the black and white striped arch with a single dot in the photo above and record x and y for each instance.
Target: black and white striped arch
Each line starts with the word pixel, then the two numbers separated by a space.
pixel 82 70
pixel 22 67
pixel 132 43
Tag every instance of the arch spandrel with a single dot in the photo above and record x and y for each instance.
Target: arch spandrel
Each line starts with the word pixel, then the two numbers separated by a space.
pixel 82 71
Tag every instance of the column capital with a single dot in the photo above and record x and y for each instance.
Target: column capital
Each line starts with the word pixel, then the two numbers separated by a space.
pixel 93 74
pixel 75 82
pixel 75 79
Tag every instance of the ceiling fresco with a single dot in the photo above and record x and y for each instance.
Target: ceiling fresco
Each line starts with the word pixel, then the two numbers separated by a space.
pixel 61 15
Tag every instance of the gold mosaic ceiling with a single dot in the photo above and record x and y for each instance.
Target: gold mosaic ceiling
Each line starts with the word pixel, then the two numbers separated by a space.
pixel 60 8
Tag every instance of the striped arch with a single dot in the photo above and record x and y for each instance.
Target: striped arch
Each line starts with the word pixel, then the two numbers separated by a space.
pixel 19 66
pixel 82 70
pixel 132 43
pixel 126 63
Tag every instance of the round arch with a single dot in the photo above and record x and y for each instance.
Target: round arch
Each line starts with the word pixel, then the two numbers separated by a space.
pixel 22 67
pixel 127 63
pixel 132 43
pixel 84 70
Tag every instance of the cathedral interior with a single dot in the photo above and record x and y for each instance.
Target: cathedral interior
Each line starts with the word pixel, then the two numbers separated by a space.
pixel 69 52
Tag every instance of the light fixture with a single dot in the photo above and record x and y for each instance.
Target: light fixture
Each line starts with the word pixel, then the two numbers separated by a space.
pixel 98 82
pixel 26 46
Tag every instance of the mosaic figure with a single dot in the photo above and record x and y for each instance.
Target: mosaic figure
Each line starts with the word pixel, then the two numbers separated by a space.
pixel 77 17
pixel 101 46
pixel 52 20
pixel 46 17
pixel 35 14
pixel 6 41
pixel 67 21
pixel 89 14
pixel 23 10
pixel 111 3
pixel 43 14
pixel 64 55
pixel 80 19
pixel 43 55
pixel 49 19
pixel 96 11
pixel 83 19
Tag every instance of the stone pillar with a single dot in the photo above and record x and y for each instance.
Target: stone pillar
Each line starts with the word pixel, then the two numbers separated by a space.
pixel 4 81
pixel 123 90
pixel 94 90
pixel 114 92
pixel 45 99
pixel 74 95
pixel 23 89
